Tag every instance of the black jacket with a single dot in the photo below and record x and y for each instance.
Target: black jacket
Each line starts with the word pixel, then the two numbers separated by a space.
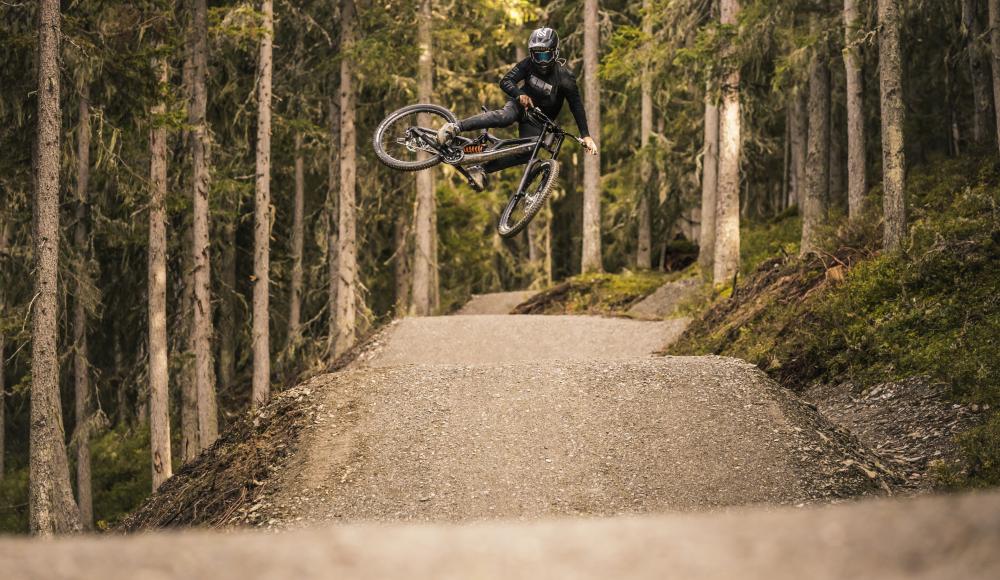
pixel 547 91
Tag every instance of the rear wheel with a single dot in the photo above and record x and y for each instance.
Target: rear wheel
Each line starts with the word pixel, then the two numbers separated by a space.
pixel 524 205
pixel 398 142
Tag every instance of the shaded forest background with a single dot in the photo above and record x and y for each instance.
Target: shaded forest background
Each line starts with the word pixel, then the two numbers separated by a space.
pixel 111 61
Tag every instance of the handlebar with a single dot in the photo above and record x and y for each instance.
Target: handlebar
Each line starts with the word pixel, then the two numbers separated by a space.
pixel 543 119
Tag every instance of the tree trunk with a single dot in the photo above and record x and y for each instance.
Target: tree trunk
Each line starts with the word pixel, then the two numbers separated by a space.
pixel 81 354
pixel 643 256
pixel 228 314
pixel 857 175
pixel 994 16
pixel 401 243
pixel 709 187
pixel 425 228
pixel 262 220
pixel 591 257
pixel 4 236
pixel 894 118
pixel 189 389
pixel 346 249
pixel 979 73
pixel 201 334
pixel 50 498
pixel 298 242
pixel 159 396
pixel 332 205
pixel 817 189
pixel 800 147
pixel 727 203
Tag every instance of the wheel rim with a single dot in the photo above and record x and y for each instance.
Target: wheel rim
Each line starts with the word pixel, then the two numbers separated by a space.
pixel 522 208
pixel 399 138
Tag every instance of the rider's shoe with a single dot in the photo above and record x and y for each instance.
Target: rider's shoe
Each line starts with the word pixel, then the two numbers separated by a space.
pixel 447 133
pixel 479 179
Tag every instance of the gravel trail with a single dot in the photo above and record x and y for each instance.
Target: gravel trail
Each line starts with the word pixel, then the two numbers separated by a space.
pixel 479 417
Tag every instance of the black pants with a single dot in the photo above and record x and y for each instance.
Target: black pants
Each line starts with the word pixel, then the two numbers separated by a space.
pixel 511 113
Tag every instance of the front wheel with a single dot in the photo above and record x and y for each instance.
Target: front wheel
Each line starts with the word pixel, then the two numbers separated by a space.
pixel 399 139
pixel 524 204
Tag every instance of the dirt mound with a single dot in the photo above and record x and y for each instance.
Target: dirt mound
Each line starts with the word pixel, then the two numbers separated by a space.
pixel 495 303
pixel 460 442
pixel 930 538
pixel 665 301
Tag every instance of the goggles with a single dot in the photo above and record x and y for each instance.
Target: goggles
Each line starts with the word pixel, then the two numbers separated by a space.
pixel 543 56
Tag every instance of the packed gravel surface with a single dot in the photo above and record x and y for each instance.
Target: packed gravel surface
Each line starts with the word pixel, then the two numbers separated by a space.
pixel 495 303
pixel 528 417
pixel 491 339
pixel 932 538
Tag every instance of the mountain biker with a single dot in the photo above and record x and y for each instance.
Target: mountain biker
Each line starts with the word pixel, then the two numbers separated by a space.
pixel 546 83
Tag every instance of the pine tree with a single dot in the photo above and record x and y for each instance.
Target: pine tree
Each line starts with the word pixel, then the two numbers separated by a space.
pixel 591 257
pixel 857 176
pixel 346 242
pixel 262 219
pixel 893 122
pixel 727 204
pixel 425 226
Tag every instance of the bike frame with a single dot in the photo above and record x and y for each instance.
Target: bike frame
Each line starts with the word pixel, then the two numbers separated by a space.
pixel 551 138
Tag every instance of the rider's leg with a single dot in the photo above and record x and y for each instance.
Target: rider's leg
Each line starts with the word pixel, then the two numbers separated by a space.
pixel 504 117
pixel 523 130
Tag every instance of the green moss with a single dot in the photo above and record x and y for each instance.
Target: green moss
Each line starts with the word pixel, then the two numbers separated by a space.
pixel 601 294
pixel 760 241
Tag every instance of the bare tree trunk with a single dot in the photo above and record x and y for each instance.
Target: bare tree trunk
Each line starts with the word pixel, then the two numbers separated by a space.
pixel 189 388
pixel 201 334
pixel 979 73
pixel 814 203
pixel 727 203
pixel 401 238
pixel 643 257
pixel 228 325
pixel 346 250
pixel 81 354
pixel 50 498
pixel 159 380
pixel 800 147
pixel 262 220
pixel 332 205
pixel 4 237
pixel 857 175
pixel 709 187
pixel 894 118
pixel 994 16
pixel 425 228
pixel 591 257
pixel 298 242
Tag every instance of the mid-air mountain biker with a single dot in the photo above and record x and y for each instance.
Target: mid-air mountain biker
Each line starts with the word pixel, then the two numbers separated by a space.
pixel 542 80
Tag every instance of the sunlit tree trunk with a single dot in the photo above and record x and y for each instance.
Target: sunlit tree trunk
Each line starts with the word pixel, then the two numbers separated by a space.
pixel 401 263
pixel 894 119
pixel 201 332
pixel 727 204
pixel 51 509
pixel 979 73
pixel 425 228
pixel 800 146
pixel 81 354
pixel 709 186
pixel 159 397
pixel 262 219
pixel 298 242
pixel 857 175
pixel 591 256
pixel 332 219
pixel 346 251
pixel 814 202
pixel 643 256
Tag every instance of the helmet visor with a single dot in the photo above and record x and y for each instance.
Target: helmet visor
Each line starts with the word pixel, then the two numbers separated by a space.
pixel 543 56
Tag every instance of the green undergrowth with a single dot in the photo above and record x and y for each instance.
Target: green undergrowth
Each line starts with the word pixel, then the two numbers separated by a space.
pixel 853 313
pixel 120 481
pixel 597 294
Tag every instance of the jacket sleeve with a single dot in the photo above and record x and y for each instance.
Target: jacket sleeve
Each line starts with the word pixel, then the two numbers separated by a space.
pixel 515 75
pixel 576 105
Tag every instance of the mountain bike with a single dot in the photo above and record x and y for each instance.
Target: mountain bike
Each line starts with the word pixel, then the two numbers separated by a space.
pixel 407 141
